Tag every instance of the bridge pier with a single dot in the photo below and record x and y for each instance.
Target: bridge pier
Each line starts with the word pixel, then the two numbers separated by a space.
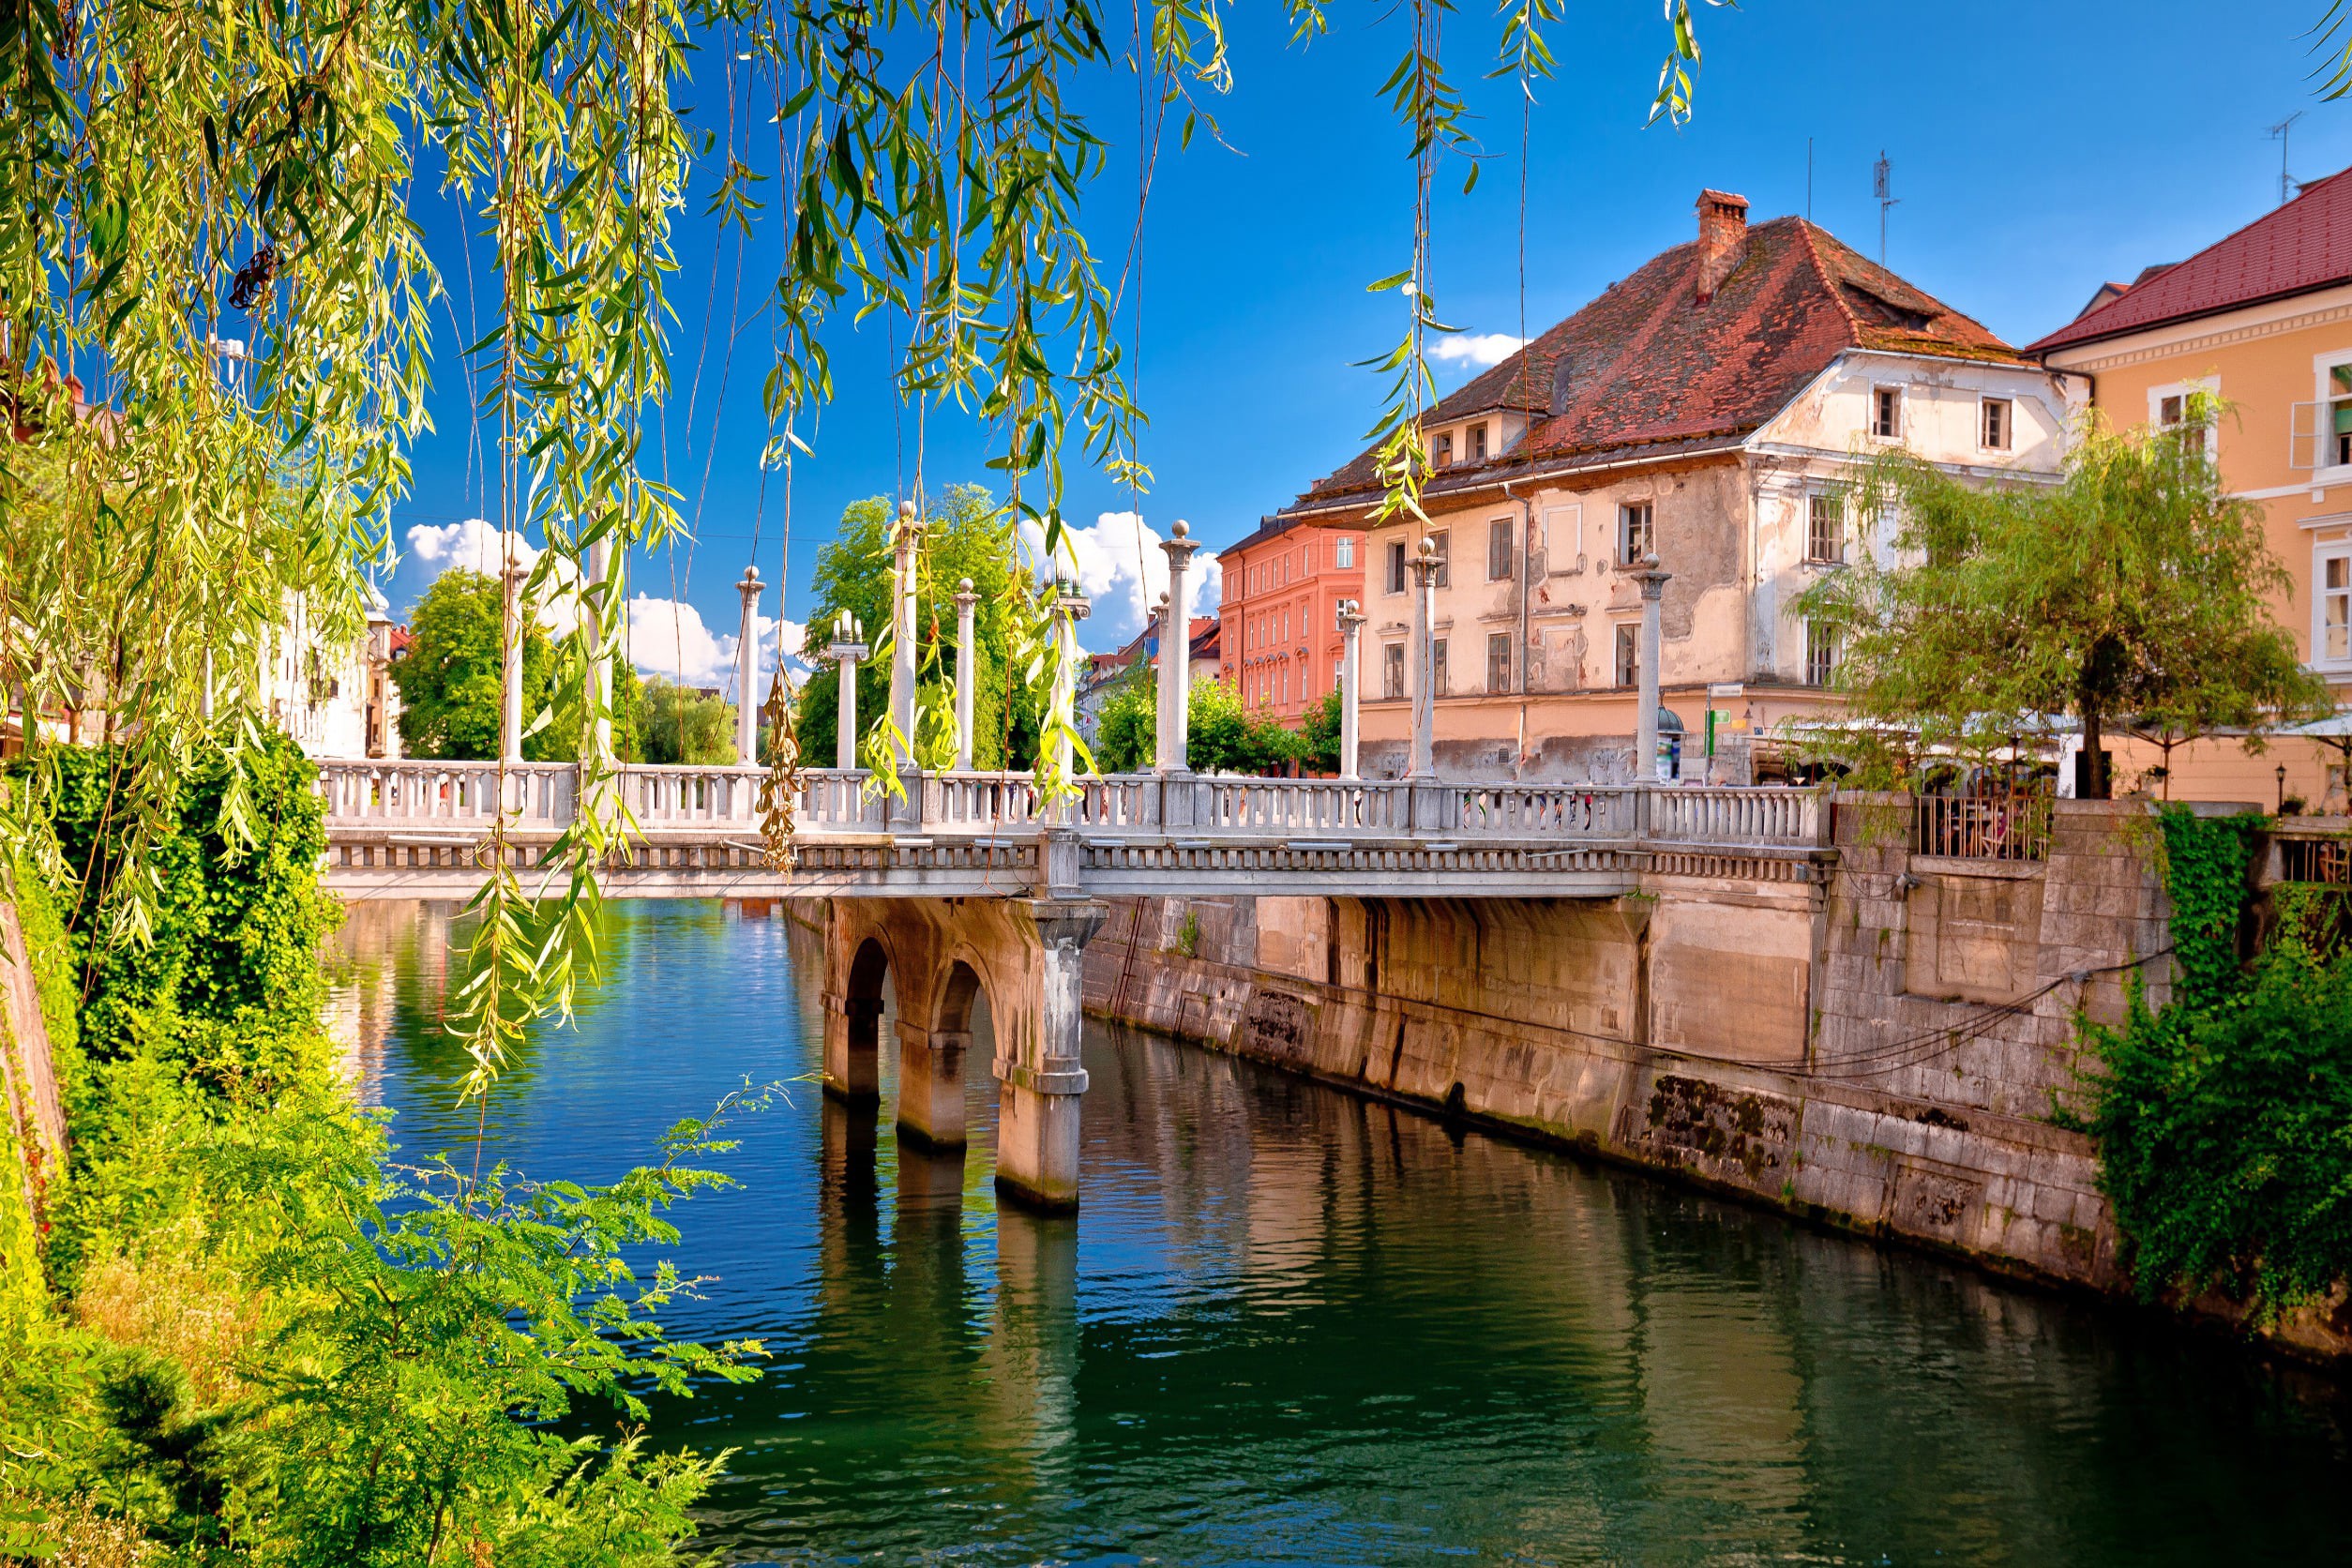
pixel 931 1084
pixel 1038 1069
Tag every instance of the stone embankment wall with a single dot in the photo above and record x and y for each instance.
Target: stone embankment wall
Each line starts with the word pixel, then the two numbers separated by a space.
pixel 1881 1051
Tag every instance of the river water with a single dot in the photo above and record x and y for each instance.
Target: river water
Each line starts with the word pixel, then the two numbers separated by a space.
pixel 1292 1326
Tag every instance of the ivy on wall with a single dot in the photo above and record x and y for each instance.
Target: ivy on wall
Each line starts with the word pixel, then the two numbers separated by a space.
pixel 2224 1120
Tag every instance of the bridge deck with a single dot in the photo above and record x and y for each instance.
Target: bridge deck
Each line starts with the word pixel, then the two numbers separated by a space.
pixel 420 830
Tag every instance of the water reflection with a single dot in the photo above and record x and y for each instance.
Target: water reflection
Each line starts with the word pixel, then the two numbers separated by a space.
pixel 1293 1326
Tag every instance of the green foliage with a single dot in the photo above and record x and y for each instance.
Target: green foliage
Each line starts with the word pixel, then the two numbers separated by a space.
pixel 2225 1122
pixel 268 1342
pixel 451 675
pixel 1226 737
pixel 1126 738
pixel 683 725
pixel 965 536
pixel 2133 593
pixel 1319 735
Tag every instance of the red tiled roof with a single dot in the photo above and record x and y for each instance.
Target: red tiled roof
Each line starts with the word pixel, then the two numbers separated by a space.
pixel 1647 371
pixel 2305 245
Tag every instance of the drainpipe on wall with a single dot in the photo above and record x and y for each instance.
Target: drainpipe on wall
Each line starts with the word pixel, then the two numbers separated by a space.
pixel 1526 579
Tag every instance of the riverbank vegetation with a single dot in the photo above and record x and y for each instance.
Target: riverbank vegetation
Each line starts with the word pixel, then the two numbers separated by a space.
pixel 2224 1118
pixel 1223 734
pixel 252 1328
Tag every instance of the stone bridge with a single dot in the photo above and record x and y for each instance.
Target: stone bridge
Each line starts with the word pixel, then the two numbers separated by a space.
pixel 962 884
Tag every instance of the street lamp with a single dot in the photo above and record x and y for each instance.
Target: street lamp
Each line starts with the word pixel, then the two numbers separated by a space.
pixel 2282 788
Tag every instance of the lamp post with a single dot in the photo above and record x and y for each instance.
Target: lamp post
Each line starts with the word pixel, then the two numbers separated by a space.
pixel 905 540
pixel 1653 583
pixel 746 668
pixel 967 678
pixel 2282 788
pixel 1423 765
pixel 510 687
pixel 1155 635
pixel 847 651
pixel 1351 685
pixel 1070 607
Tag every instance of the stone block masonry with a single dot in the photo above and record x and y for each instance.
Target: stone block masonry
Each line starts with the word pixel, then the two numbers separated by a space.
pixel 1881 1051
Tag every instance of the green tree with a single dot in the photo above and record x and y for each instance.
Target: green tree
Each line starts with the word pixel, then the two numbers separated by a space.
pixel 1319 736
pixel 1224 736
pixel 686 726
pixel 2134 591
pixel 966 535
pixel 449 682
pixel 1126 730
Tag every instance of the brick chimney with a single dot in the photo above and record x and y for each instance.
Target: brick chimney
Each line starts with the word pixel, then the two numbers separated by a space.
pixel 1722 228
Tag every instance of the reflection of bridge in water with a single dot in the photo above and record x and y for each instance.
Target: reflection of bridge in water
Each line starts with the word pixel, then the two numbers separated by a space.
pixel 964 884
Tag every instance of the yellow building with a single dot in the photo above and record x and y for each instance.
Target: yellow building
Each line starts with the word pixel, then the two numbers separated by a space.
pixel 2263 320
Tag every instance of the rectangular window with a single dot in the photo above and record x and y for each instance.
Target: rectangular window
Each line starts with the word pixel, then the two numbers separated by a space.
pixel 1306 559
pixel 1343 553
pixel 1443 576
pixel 1825 529
pixel 1994 433
pixel 1478 443
pixel 1282 686
pixel 1436 668
pixel 1886 412
pixel 1820 654
pixel 1629 655
pixel 1499 661
pixel 2340 414
pixel 2173 409
pixel 2333 644
pixel 1393 670
pixel 1635 538
pixel 1441 454
pixel 1563 537
pixel 1397 565
pixel 1499 550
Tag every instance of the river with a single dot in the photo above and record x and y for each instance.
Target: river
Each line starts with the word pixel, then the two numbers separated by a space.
pixel 1290 1326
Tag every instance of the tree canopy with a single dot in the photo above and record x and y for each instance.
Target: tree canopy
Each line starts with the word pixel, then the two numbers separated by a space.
pixel 2133 593
pixel 450 678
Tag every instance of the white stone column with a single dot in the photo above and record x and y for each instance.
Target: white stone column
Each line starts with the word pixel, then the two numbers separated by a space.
pixel 1175 693
pixel 747 671
pixel 1350 687
pixel 1070 607
pixel 1155 635
pixel 847 651
pixel 906 541
pixel 1422 764
pixel 1653 583
pixel 967 673
pixel 510 683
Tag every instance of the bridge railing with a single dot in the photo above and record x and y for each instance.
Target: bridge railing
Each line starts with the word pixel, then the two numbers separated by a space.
pixel 402 795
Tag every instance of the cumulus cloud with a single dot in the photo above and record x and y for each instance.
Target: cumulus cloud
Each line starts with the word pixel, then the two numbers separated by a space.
pixel 1482 349
pixel 472 544
pixel 669 637
pixel 1123 571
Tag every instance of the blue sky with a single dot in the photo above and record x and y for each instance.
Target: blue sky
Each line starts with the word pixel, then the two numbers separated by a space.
pixel 2036 151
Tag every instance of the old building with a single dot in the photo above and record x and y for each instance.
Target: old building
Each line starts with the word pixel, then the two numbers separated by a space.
pixel 1279 615
pixel 2262 320
pixel 335 696
pixel 1703 409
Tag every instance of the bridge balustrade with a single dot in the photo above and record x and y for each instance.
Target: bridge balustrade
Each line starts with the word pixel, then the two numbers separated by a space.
pixel 1734 816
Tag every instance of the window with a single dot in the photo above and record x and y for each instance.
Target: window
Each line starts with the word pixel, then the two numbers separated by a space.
pixel 1563 536
pixel 2331 632
pixel 1343 553
pixel 2170 409
pixel 1629 655
pixel 1992 425
pixel 1306 559
pixel 1825 529
pixel 1820 654
pixel 1635 538
pixel 1393 670
pixel 1282 686
pixel 1397 565
pixel 1499 550
pixel 1478 443
pixel 1285 635
pixel 1441 455
pixel 1886 412
pixel 1443 576
pixel 1499 661
pixel 1436 668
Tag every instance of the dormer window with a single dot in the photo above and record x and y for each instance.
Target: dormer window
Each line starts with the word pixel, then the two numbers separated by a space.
pixel 1442 453
pixel 1478 443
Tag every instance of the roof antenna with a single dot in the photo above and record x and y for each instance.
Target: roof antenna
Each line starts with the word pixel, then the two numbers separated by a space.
pixel 1881 183
pixel 2277 134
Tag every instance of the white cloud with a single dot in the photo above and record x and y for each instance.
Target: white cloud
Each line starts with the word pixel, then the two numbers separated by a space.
pixel 471 544
pixel 667 638
pixel 1482 349
pixel 1123 571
